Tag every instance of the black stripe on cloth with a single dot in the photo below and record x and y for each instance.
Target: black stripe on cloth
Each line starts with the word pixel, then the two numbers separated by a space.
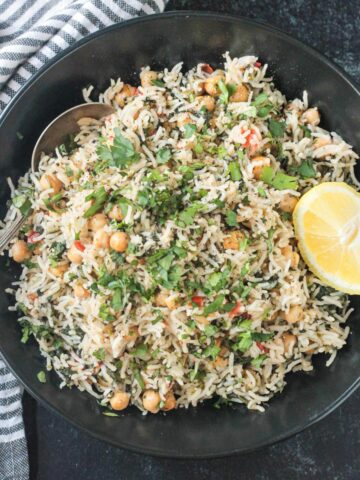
pixel 8 400
pixel 6 415
pixel 12 429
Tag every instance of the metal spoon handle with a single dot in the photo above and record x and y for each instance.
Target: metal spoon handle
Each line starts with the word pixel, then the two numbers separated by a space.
pixel 10 232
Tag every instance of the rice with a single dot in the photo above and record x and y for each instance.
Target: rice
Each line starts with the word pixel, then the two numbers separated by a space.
pixel 199 304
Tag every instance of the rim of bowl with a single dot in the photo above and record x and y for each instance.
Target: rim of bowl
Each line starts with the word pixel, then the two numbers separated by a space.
pixel 31 388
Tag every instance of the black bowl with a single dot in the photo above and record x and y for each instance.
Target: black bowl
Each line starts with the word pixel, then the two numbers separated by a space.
pixel 120 50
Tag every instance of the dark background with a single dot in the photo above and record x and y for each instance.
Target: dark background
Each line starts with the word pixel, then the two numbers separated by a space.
pixel 328 450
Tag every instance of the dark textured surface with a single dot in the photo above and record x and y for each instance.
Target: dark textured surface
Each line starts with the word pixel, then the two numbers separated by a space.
pixel 328 450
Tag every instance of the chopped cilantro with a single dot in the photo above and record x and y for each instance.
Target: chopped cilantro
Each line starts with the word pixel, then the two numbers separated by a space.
pixel 99 354
pixel 278 180
pixel 258 361
pixel 187 216
pixel 277 129
pixel 215 305
pixel 140 351
pixel 231 218
pixel 41 376
pixel 121 154
pixel 163 156
pixel 190 130
pixel 138 377
pixel 110 414
pixel 226 91
pixel 211 351
pixel 158 83
pixel 305 169
pixel 23 203
pixel 234 171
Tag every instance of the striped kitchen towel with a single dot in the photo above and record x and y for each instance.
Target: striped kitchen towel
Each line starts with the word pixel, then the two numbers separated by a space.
pixel 31 33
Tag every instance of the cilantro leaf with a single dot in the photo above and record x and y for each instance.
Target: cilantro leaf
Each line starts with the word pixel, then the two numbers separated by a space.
pixel 277 129
pixel 305 169
pixel 163 156
pixel 282 181
pixel 117 300
pixel 41 376
pixel 211 351
pixel 190 129
pixel 215 305
pixel 99 354
pixel 231 218
pixel 234 171
pixel 226 91
pixel 23 203
pixel 121 154
pixel 158 83
pixel 258 361
pixel 278 180
pixel 140 351
pixel 187 216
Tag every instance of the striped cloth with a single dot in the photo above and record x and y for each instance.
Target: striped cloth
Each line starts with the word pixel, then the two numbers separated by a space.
pixel 31 33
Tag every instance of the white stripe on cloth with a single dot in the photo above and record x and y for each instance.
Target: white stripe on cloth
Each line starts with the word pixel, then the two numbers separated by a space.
pixel 31 33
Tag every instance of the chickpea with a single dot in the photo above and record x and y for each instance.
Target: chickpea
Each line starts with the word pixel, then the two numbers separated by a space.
pixel 80 291
pixel 20 251
pixel 132 334
pixel 295 314
pixel 289 254
pixel 289 341
pixel 116 213
pixel 207 101
pixel 220 362
pixel 160 299
pixel 101 239
pixel 321 142
pixel 241 94
pixel 311 116
pixel 119 401
pixel 151 400
pixel 126 91
pixel 60 269
pixel 74 255
pixel 211 84
pixel 258 164
pixel 202 319
pixel 232 242
pixel 170 402
pixel 50 181
pixel 183 120
pixel 147 77
pixel 288 203
pixel 97 222
pixel 119 241
pixel 164 299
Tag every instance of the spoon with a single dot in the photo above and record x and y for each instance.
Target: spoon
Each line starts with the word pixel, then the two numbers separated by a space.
pixel 52 136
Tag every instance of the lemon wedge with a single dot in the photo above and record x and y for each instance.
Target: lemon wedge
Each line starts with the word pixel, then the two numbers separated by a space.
pixel 327 227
